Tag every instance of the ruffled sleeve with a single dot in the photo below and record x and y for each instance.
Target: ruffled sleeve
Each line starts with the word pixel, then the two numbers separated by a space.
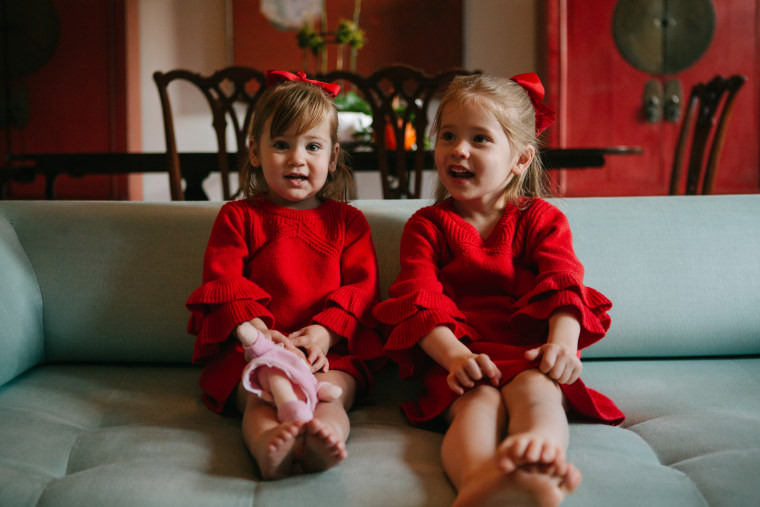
pixel 416 302
pixel 348 309
pixel 413 315
pixel 559 283
pixel 218 306
pixel 226 298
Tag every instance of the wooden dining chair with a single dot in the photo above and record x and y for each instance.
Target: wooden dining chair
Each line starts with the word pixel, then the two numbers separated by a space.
pixel 704 125
pixel 401 98
pixel 223 90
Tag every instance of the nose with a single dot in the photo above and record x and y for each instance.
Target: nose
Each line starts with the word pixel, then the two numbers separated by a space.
pixel 297 157
pixel 460 149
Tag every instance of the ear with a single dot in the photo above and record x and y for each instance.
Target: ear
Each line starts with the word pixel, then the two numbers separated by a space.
pixel 334 158
pixel 253 149
pixel 524 160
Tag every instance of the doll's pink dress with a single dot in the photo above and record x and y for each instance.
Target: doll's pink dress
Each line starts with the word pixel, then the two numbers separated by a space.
pixel 263 353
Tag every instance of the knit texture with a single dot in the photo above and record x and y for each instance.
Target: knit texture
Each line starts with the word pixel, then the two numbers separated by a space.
pixel 291 268
pixel 495 294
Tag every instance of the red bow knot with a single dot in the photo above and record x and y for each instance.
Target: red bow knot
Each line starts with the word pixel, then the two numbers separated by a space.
pixel 278 76
pixel 532 85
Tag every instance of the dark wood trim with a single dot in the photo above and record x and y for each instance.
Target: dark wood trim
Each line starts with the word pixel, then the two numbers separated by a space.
pixel 197 166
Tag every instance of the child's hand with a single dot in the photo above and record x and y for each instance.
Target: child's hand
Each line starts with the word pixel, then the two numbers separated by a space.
pixel 558 362
pixel 466 370
pixel 315 340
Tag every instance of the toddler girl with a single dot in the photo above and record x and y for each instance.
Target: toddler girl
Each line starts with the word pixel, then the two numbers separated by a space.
pixel 296 263
pixel 489 306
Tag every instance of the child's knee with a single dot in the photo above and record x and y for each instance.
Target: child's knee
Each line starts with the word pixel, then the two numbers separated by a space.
pixel 532 384
pixel 482 397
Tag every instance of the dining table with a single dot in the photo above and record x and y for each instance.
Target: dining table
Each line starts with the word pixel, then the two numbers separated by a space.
pixel 197 166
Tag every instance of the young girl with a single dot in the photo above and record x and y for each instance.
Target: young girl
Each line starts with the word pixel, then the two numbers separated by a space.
pixel 490 307
pixel 294 263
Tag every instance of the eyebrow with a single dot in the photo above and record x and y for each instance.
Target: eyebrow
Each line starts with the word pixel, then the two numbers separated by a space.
pixel 307 137
pixel 481 130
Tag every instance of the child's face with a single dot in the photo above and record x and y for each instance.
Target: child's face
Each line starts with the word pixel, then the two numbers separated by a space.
pixel 295 167
pixel 474 158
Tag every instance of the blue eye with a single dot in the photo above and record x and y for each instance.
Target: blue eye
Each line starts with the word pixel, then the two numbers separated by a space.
pixel 280 145
pixel 313 147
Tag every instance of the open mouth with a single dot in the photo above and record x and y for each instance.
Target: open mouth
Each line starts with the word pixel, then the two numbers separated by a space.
pixel 297 177
pixel 459 172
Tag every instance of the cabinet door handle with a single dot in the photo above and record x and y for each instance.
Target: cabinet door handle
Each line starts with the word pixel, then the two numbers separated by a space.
pixel 673 100
pixel 653 101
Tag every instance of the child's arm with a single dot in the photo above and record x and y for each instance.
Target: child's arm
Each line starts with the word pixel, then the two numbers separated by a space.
pixel 347 312
pixel 559 355
pixel 464 367
pixel 226 296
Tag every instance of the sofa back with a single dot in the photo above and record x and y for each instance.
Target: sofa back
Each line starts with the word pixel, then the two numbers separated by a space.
pixel 114 276
pixel 683 272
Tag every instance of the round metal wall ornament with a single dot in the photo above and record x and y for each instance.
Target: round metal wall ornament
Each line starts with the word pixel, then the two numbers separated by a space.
pixel 663 36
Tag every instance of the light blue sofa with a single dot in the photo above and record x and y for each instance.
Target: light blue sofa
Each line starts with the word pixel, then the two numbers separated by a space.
pixel 99 403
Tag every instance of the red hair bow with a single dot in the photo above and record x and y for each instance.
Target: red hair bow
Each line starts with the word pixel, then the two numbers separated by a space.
pixel 278 76
pixel 532 85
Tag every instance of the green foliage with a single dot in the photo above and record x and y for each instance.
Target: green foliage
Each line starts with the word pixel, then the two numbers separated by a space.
pixel 352 102
pixel 348 33
pixel 308 38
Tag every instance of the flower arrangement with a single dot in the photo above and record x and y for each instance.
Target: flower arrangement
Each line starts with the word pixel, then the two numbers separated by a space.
pixel 346 35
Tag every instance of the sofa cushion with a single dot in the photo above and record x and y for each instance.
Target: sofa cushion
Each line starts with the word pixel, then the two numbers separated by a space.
pixel 683 273
pixel 139 435
pixel 21 338
pixel 129 267
pixel 687 419
pixel 387 224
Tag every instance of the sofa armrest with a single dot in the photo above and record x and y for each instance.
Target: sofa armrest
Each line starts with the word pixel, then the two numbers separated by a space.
pixel 22 341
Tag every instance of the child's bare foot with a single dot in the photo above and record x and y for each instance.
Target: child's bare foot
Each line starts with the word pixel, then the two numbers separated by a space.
pixel 323 447
pixel 528 485
pixel 527 449
pixel 529 469
pixel 274 449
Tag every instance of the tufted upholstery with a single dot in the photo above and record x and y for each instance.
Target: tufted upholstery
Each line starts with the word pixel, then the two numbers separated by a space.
pixel 99 404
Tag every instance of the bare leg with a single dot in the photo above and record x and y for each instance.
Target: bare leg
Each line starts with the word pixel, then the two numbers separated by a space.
pixel 327 433
pixel 477 422
pixel 528 467
pixel 538 437
pixel 271 443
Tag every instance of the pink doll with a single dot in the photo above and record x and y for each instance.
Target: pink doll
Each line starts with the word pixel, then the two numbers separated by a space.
pixel 279 374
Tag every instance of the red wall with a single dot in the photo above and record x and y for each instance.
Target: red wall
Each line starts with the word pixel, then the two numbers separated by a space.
pixel 421 33
pixel 77 99
pixel 599 95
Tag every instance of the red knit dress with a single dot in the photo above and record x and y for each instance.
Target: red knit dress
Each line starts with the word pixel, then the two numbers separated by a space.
pixel 291 268
pixel 496 295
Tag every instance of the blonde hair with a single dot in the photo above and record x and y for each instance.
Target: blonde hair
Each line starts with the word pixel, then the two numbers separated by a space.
pixel 305 106
pixel 512 108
